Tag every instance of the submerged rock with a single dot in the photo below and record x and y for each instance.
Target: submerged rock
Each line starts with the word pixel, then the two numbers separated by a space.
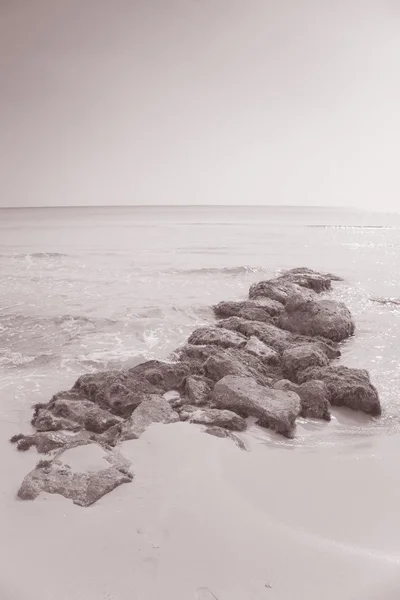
pixel 347 387
pixel 213 417
pixel 314 397
pixel 223 433
pixel 154 409
pixel 325 318
pixel 273 408
pixel 217 337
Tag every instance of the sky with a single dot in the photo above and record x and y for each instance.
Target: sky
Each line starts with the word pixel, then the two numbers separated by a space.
pixel 288 102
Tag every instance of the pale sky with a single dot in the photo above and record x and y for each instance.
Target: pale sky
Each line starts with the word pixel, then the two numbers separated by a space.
pixel 200 101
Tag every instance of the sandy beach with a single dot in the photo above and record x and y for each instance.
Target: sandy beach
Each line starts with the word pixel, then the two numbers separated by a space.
pixel 203 519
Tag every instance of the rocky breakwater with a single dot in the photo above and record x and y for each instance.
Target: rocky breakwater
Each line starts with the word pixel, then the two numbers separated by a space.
pixel 274 357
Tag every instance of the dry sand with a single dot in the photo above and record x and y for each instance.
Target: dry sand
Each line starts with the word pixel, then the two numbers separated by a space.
pixel 316 518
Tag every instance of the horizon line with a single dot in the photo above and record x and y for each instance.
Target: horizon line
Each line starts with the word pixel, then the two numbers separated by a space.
pixel 182 206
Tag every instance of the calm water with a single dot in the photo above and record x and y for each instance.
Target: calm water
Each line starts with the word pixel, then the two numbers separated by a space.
pixel 95 288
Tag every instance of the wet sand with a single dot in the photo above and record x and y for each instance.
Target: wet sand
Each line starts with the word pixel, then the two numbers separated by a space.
pixel 309 519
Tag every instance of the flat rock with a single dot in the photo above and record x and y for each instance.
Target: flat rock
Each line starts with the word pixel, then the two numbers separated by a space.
pixel 298 358
pixel 347 387
pixel 274 409
pixel 46 442
pixel 314 397
pixel 218 337
pixel 154 409
pixel 83 489
pixel 322 317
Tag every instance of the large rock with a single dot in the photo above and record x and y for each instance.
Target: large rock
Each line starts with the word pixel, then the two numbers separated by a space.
pixel 164 376
pixel 81 413
pixel 327 318
pixel 154 409
pixel 347 387
pixel 298 358
pixel 265 353
pixel 213 417
pixel 194 356
pixel 255 310
pixel 307 278
pixel 273 408
pixel 279 290
pixel 198 389
pixel 82 488
pixel 314 397
pixel 218 337
pixel 115 391
pixel 241 363
pixel 271 335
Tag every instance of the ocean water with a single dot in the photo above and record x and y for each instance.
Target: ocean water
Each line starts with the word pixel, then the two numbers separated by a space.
pixel 83 289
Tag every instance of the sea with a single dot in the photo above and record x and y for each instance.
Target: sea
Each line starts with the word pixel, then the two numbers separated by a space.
pixel 87 289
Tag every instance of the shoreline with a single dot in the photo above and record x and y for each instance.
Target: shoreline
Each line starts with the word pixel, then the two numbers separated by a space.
pixel 203 517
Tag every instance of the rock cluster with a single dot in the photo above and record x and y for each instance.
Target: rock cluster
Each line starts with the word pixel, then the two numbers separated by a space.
pixel 272 357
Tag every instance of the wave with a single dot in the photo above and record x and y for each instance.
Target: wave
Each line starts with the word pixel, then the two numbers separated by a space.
pixel 221 270
pixel 29 255
pixel 390 301
pixel 352 226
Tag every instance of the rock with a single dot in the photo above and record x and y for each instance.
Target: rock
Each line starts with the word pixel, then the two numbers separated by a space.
pixel 46 442
pixel 241 363
pixel 307 278
pixel 164 376
pixel 218 337
pixel 154 409
pixel 213 417
pixel 347 387
pixel 257 310
pixel 265 353
pixel 223 433
pixel 116 391
pixel 83 489
pixel 298 358
pixel 279 290
pixel 195 356
pixel 326 318
pixel 314 397
pixel 273 408
pixel 84 413
pixel 44 420
pixel 266 332
pixel 198 389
